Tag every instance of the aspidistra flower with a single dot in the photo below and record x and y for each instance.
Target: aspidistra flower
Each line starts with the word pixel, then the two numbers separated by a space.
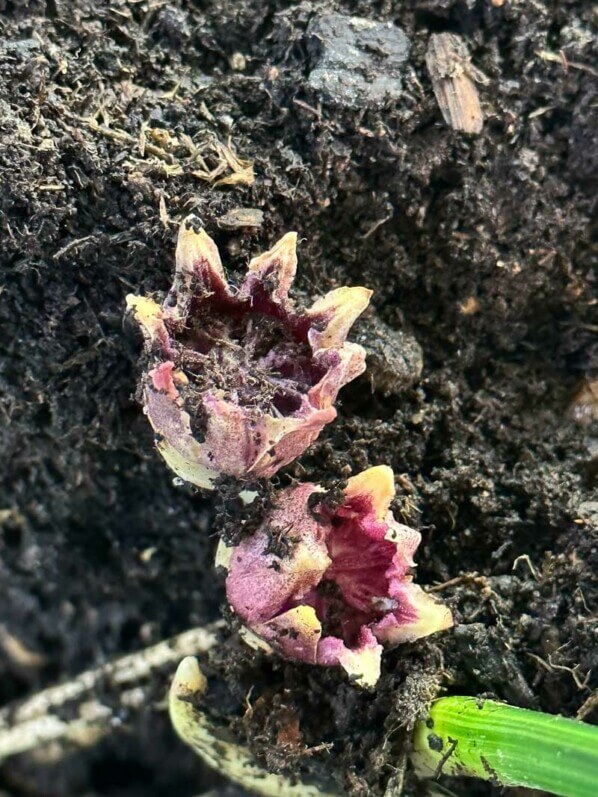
pixel 240 382
pixel 331 585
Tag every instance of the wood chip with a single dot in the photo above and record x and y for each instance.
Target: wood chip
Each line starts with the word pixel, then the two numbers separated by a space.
pixel 454 81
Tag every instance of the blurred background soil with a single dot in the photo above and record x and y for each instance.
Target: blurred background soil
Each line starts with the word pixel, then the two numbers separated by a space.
pixel 116 120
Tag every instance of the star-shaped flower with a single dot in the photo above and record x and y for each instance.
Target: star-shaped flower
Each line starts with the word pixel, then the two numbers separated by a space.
pixel 240 382
pixel 331 585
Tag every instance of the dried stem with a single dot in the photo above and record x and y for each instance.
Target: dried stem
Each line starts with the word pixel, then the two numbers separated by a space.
pixel 35 721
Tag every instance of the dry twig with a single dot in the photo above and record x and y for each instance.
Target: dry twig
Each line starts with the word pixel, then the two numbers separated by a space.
pixel 36 721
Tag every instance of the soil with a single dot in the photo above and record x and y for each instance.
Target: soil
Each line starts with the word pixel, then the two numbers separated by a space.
pixel 478 249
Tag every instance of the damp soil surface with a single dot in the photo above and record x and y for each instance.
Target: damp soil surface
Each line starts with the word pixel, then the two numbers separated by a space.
pixel 119 118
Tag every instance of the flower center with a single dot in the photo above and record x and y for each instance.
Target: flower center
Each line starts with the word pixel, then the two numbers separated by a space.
pixel 354 589
pixel 250 359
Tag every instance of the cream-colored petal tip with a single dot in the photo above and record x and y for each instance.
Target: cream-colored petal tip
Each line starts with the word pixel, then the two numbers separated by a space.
pixel 433 615
pixel 279 261
pixel 303 619
pixel 190 225
pixel 352 300
pixel 363 666
pixel 287 245
pixel 143 307
pixel 443 620
pixel 345 301
pixel 148 315
pixel 359 295
pixel 378 483
pixel 337 311
pixel 287 242
pixel 185 467
pixel 194 243
pixel 195 249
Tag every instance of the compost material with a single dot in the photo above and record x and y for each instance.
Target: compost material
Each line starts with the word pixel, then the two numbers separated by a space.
pixel 118 119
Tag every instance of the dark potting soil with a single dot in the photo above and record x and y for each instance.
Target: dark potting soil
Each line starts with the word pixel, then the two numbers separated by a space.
pixel 479 253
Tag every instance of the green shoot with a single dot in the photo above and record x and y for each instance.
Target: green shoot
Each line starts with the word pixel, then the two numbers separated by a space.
pixel 507 745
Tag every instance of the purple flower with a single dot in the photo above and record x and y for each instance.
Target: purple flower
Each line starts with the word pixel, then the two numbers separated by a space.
pixel 239 381
pixel 330 586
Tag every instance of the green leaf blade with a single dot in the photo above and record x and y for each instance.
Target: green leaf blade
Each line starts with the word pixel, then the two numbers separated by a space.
pixel 508 745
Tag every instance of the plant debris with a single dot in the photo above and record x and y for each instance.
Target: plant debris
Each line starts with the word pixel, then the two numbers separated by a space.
pixel 454 82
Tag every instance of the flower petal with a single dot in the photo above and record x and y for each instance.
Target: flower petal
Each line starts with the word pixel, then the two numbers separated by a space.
pixel 278 566
pixel 362 663
pixel 175 442
pixel 162 379
pixel 340 366
pixel 360 561
pixel 333 315
pixel 198 267
pixel 407 541
pixel 245 443
pixel 231 441
pixel 285 439
pixel 344 568
pixel 224 554
pixel 375 484
pixel 273 271
pixel 295 634
pixel 418 615
pixel 150 318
